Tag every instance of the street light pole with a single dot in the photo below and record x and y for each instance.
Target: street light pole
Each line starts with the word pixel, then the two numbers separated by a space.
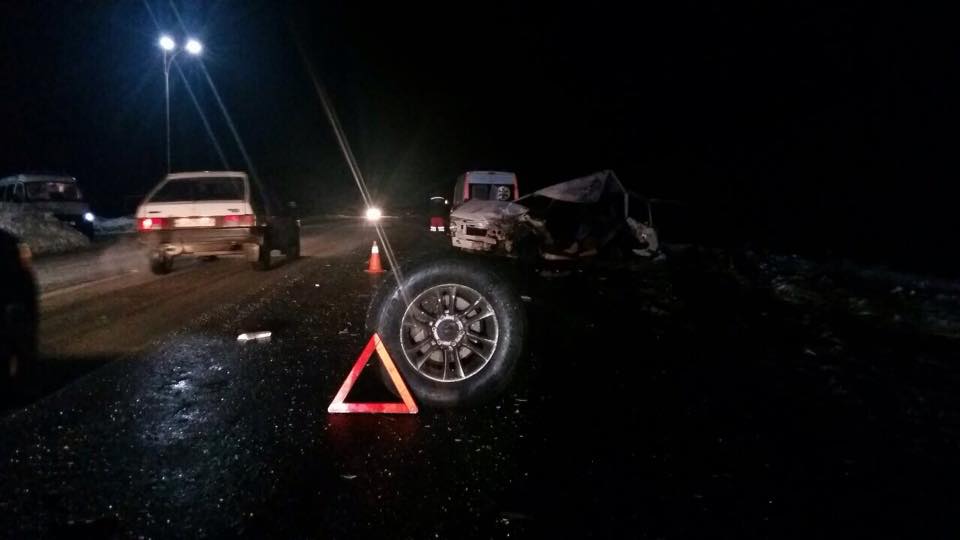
pixel 170 51
pixel 167 60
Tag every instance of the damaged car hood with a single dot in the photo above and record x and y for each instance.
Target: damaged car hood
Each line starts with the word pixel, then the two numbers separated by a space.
pixel 587 189
pixel 488 211
pixel 486 226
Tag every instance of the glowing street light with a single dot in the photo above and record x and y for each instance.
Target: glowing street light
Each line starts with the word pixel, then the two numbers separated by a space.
pixel 193 47
pixel 167 43
pixel 170 51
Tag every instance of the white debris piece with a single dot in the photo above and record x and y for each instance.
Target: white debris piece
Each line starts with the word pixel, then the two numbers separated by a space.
pixel 259 337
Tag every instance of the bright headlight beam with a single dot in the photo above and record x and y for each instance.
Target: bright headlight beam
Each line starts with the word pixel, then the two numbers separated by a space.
pixel 374 214
pixel 88 216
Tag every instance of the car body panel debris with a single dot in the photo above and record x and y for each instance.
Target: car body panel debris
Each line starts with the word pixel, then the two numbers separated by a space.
pixel 257 337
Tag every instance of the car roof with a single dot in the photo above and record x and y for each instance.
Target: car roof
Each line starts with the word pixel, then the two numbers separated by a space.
pixel 206 174
pixel 37 178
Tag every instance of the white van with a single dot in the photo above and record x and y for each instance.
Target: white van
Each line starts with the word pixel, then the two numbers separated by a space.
pixel 46 193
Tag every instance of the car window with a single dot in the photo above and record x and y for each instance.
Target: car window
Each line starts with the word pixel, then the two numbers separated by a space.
pixel 52 191
pixel 480 191
pixel 218 189
pixel 174 190
pixel 491 192
pixel 200 189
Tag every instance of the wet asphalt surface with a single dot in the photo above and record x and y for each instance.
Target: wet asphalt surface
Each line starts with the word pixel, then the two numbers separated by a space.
pixel 656 400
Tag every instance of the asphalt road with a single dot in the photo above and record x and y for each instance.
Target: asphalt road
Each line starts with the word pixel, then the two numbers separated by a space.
pixel 657 400
pixel 90 298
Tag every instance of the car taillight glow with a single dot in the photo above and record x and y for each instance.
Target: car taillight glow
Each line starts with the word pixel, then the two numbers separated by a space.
pixel 238 220
pixel 149 224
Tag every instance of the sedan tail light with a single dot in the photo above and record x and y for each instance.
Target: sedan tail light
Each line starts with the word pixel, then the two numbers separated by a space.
pixel 238 220
pixel 150 224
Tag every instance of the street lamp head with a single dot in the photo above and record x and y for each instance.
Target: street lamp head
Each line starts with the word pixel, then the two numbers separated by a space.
pixel 167 43
pixel 193 47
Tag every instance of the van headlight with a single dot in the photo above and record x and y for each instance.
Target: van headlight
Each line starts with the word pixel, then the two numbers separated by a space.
pixel 88 216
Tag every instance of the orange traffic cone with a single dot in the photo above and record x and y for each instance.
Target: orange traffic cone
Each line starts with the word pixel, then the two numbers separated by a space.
pixel 374 266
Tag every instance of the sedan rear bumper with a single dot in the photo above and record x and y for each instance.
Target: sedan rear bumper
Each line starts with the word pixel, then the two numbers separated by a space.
pixel 205 241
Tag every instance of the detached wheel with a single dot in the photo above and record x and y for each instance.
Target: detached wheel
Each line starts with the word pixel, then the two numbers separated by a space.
pixel 456 335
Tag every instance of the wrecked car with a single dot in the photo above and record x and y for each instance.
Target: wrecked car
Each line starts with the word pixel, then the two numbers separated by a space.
pixel 565 221
pixel 457 323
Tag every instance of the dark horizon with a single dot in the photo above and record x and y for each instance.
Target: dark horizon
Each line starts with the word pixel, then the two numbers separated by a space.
pixel 811 129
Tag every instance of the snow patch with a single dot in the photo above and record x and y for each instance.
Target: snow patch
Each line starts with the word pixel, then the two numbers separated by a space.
pixel 120 225
pixel 44 233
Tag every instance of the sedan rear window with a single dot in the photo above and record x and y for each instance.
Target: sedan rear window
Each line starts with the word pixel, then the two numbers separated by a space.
pixel 200 189
pixel 174 190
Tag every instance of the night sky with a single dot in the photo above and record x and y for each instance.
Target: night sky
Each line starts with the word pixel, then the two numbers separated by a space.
pixel 818 129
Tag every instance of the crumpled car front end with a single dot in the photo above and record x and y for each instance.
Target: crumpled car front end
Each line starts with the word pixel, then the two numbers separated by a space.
pixel 486 226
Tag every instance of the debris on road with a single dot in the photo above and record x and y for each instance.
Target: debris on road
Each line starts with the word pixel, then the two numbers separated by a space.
pixel 259 337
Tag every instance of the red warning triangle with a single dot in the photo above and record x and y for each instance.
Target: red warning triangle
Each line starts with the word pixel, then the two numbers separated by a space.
pixel 407 407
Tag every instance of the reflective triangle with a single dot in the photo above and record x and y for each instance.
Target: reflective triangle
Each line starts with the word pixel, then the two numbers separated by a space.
pixel 407 406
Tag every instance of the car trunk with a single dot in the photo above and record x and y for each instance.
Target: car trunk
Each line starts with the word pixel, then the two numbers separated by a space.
pixel 200 203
